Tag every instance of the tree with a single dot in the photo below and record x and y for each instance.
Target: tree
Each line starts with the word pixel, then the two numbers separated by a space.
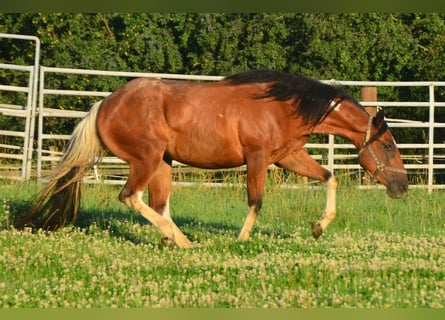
pixel 342 46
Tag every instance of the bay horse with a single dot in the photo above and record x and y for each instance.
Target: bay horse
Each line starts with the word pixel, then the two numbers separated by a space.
pixel 256 118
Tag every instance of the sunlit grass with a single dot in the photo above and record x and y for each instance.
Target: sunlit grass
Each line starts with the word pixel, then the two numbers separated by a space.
pixel 379 252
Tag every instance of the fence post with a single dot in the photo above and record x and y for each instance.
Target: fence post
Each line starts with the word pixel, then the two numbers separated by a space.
pixel 369 94
pixel 431 138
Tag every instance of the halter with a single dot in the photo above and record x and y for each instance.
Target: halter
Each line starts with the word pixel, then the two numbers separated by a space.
pixel 367 145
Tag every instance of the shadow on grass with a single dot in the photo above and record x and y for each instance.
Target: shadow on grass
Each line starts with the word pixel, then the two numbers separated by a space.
pixel 118 222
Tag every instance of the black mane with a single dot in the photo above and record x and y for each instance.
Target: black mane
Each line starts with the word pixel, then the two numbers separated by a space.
pixel 311 98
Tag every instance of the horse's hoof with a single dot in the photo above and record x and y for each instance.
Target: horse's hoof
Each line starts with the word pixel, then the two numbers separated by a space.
pixel 167 242
pixel 316 230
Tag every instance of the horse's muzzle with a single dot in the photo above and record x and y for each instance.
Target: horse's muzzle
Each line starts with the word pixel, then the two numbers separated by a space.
pixel 396 189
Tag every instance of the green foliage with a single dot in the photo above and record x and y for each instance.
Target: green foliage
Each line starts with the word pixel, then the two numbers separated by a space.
pixel 342 46
pixel 353 46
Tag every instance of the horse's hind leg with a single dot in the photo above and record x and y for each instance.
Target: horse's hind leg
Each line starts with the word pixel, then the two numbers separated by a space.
pixel 159 189
pixel 131 195
pixel 302 163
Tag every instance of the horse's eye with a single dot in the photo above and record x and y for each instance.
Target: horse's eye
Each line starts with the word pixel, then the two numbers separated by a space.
pixel 388 147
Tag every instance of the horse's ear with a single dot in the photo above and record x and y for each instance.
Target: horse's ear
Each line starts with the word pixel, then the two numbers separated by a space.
pixel 378 119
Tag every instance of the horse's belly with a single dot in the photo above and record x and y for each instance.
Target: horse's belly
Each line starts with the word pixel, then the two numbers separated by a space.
pixel 206 152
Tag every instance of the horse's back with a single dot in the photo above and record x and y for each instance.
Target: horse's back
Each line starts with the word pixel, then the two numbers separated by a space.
pixel 209 125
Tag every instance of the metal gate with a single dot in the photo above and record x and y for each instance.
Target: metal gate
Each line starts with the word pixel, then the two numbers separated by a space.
pixel 422 159
pixel 18 100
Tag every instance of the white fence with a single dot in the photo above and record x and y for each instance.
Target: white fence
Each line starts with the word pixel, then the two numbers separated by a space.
pixel 425 160
pixel 16 146
pixel 424 157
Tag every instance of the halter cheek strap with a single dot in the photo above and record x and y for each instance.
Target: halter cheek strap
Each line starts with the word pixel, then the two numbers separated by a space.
pixel 367 146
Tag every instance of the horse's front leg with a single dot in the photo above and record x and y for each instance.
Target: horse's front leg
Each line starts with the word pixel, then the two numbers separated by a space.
pixel 318 227
pixel 256 176
pixel 302 163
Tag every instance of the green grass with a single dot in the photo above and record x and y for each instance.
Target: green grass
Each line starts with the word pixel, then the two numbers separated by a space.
pixel 379 252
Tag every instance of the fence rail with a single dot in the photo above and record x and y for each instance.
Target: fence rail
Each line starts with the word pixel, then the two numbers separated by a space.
pixel 425 159
pixel 20 149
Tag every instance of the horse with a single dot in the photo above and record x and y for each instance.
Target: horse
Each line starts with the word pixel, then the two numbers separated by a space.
pixel 254 118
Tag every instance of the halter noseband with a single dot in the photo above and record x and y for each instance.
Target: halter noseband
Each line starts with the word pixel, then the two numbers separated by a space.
pixel 367 145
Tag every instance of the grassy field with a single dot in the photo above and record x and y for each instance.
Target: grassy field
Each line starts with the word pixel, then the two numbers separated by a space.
pixel 379 252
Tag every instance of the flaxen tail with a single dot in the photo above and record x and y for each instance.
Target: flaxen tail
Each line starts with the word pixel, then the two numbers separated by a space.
pixel 58 203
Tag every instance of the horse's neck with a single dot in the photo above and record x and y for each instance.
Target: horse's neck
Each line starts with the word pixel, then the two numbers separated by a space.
pixel 347 121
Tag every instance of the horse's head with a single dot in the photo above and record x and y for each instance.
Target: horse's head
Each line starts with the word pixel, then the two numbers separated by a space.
pixel 380 156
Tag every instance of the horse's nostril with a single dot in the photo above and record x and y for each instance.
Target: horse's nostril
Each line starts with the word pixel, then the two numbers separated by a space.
pixel 397 189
